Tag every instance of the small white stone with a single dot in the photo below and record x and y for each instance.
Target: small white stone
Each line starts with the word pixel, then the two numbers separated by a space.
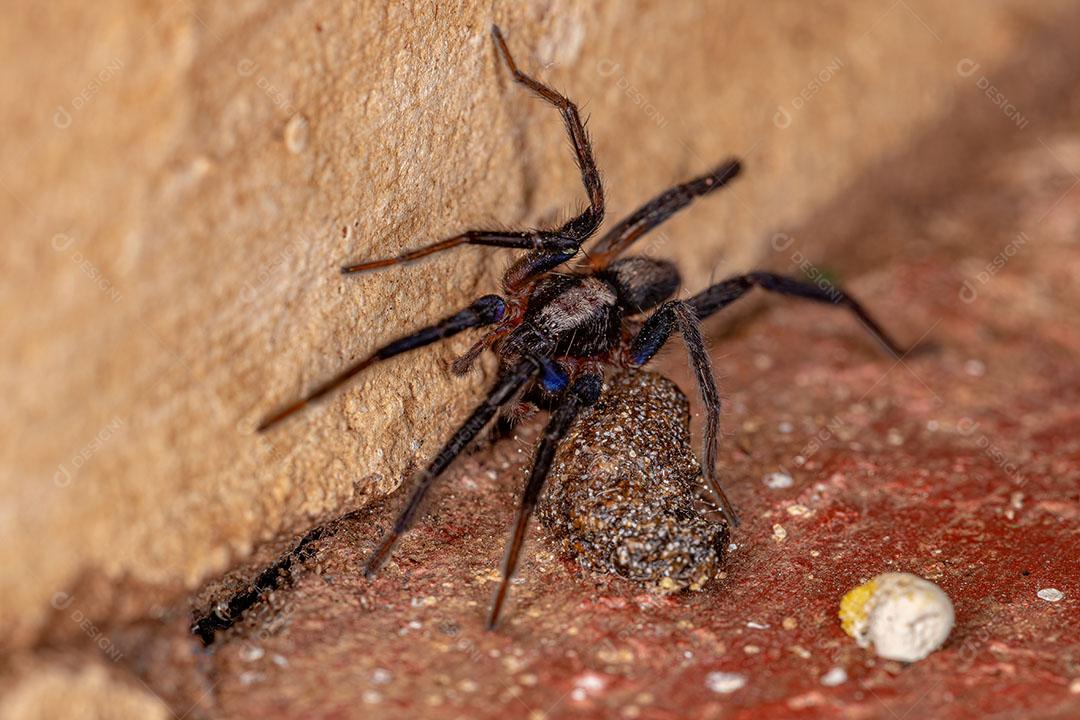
pixel 723 682
pixel 249 677
pixel 975 368
pixel 901 615
pixel 1050 594
pixel 778 481
pixel 251 654
pixel 591 682
pixel 836 676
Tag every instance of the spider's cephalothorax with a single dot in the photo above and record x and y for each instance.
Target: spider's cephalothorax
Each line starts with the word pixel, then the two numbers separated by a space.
pixel 555 334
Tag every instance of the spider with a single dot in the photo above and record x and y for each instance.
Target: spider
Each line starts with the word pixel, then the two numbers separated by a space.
pixel 556 332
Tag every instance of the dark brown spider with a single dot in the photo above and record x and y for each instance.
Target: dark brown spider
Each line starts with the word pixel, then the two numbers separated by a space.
pixel 556 332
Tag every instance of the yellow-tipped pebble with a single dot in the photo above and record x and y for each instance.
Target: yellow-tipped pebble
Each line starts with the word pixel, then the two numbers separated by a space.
pixel 853 607
pixel 903 616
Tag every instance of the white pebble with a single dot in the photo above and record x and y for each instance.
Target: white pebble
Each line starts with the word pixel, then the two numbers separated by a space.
pixel 903 616
pixel 590 682
pixel 778 481
pixel 249 677
pixel 1050 594
pixel 722 682
pixel 836 676
pixel 251 654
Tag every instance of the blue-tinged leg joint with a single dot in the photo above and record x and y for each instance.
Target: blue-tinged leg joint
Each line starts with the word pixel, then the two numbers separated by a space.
pixel 552 377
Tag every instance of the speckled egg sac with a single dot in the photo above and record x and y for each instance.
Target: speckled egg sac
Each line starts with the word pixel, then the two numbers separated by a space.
pixel 624 494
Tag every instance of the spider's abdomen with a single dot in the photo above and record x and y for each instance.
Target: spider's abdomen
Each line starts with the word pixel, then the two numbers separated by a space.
pixel 624 490
pixel 579 314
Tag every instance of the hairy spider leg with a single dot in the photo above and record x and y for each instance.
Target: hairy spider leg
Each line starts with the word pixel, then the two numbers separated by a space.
pixel 584 393
pixel 722 294
pixel 678 314
pixel 503 391
pixel 685 315
pixel 557 246
pixel 616 240
pixel 486 310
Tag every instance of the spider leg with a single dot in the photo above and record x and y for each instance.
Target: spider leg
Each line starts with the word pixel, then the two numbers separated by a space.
pixel 549 240
pixel 535 263
pixel 586 223
pixel 678 314
pixel 484 311
pixel 657 210
pixel 556 246
pixel 584 392
pixel 505 389
pixel 724 293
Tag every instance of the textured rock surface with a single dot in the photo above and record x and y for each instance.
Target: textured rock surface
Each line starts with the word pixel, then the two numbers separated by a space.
pixel 184 179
